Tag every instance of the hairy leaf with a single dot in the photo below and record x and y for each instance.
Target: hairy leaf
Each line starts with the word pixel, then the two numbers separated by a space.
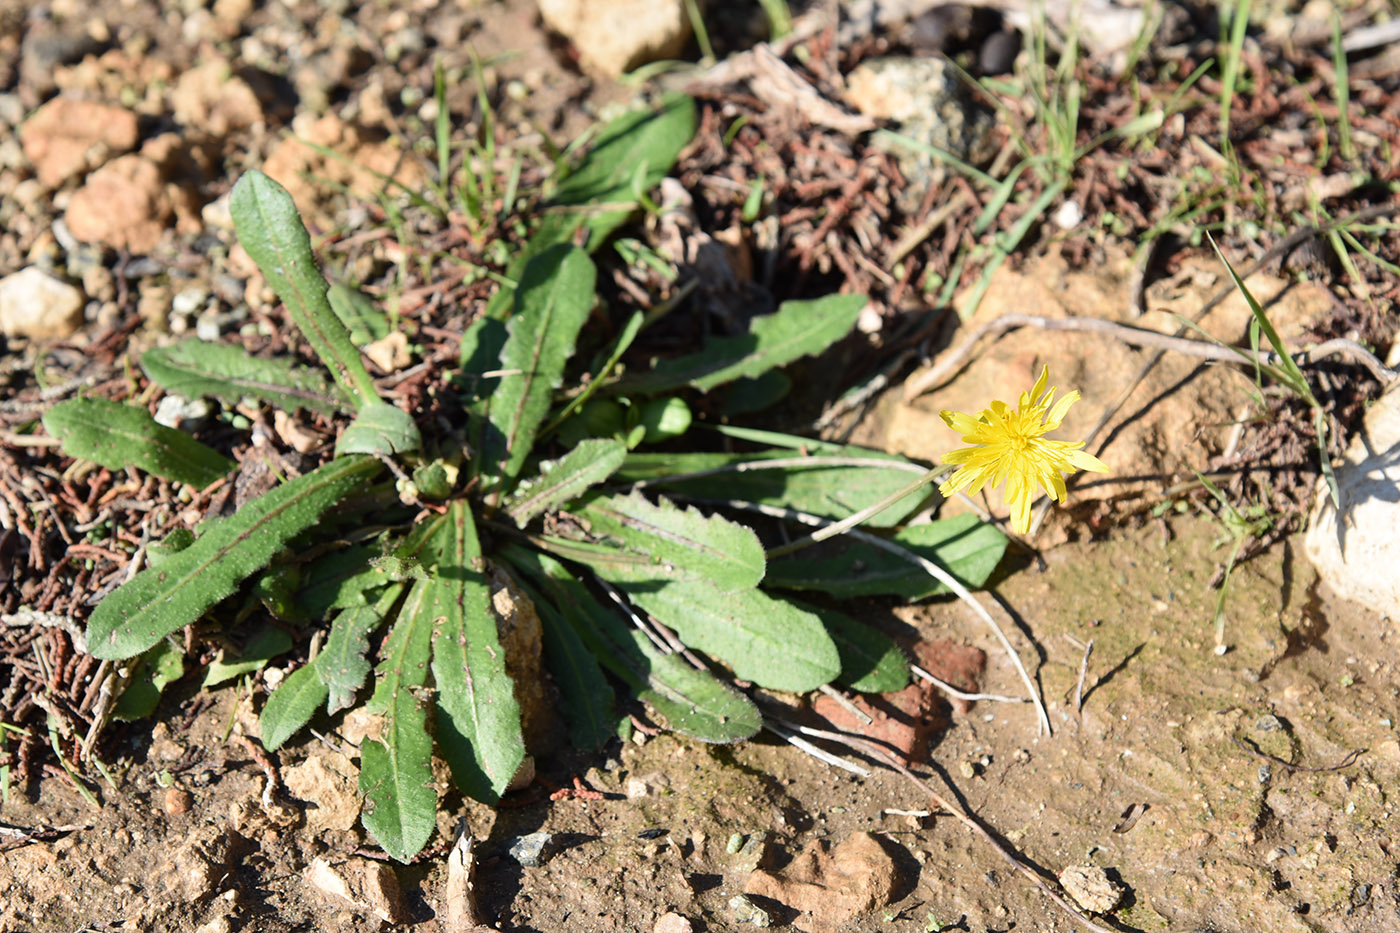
pixel 338 579
pixel 161 665
pixel 194 368
pixel 766 640
pixel 870 661
pixel 379 429
pixel 634 151
pixel 118 436
pixel 342 664
pixel 965 546
pixel 588 464
pixel 291 706
pixel 679 544
pixel 263 645
pixel 551 303
pixel 796 329
pixel 478 718
pixel 588 699
pixel 690 701
pixel 162 599
pixel 270 229
pixel 828 490
pixel 358 312
pixel 396 773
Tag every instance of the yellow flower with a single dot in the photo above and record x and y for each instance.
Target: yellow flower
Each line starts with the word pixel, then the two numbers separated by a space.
pixel 1010 447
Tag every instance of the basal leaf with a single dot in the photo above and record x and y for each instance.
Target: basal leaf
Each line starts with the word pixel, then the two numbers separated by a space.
pixel 965 546
pixel 552 301
pixel 342 664
pixel 766 640
pixel 162 599
pixel 588 698
pixel 478 718
pixel 338 579
pixel 827 489
pixel 396 773
pixel 270 229
pixel 266 643
pixel 870 661
pixel 796 329
pixel 602 190
pixel 358 312
pixel 680 544
pixel 379 429
pixel 118 436
pixel 690 701
pixel 194 368
pixel 587 465
pixel 161 665
pixel 291 706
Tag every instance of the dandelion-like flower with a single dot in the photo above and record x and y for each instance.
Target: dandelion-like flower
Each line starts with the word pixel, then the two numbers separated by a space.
pixel 1010 447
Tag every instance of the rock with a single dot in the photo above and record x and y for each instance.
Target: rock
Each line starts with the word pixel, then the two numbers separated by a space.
pixel 66 137
pixel 672 923
pixel 755 853
pixel 220 924
pixel 367 886
pixel 329 783
pixel 182 413
pixel 518 626
pixel 212 100
pixel 1349 551
pixel 830 889
pixel 123 205
pixel 746 911
pixel 616 36
pixel 529 850
pixel 37 305
pixel 1091 888
pixel 389 353
pixel 177 800
pixel 649 785
pixel 926 98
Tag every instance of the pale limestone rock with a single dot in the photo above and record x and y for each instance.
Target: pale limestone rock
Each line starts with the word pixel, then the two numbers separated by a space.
pixel 67 137
pixel 616 36
pixel 37 305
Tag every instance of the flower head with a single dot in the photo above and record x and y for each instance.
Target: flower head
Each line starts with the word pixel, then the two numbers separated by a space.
pixel 1010 447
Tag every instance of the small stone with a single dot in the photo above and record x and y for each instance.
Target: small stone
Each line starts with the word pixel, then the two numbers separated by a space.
pixel 746 911
pixel 368 886
pixel 66 137
pixel 215 101
pixel 11 110
pixel 154 307
pixel 219 924
pixel 36 305
pixel 177 800
pixel 754 854
pixel 829 888
pixel 616 36
pixel 529 850
pixel 1091 888
pixel 651 785
pixel 329 784
pixel 189 301
pixel 181 413
pixel 123 205
pixel 672 923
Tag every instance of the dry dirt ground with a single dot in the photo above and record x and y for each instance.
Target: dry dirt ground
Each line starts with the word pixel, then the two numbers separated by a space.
pixel 1250 790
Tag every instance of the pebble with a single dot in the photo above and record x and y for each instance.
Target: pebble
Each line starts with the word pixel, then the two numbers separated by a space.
pixel 36 305
pixel 746 911
pixel 672 923
pixel 177 800
pixel 529 850
pixel 1091 888
pixel 181 413
pixel 620 35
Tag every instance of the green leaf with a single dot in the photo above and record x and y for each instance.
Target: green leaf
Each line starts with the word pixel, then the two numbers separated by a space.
pixel 118 436
pixel 695 703
pixel 826 489
pixel 396 773
pixel 587 465
pixel 291 706
pixel 965 546
pixel 338 579
pixel 193 368
pixel 358 312
pixel 265 644
pixel 689 700
pixel 162 599
pixel 551 303
pixel 478 718
pixel 342 664
pixel 161 665
pixel 796 329
pixel 870 661
pixel 588 699
pixel 270 229
pixel 766 640
pixel 379 429
pixel 677 544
